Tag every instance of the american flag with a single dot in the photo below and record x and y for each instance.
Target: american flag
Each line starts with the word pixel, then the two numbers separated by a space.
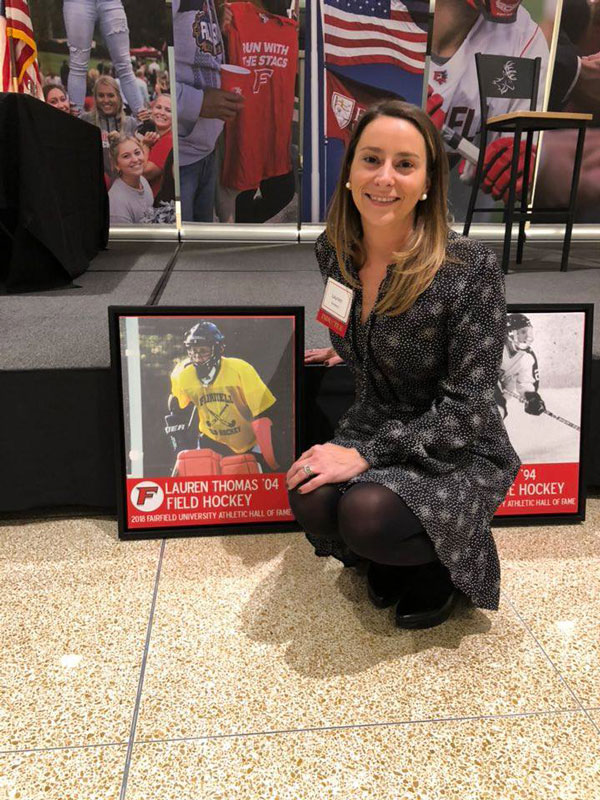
pixel 21 72
pixel 4 52
pixel 375 32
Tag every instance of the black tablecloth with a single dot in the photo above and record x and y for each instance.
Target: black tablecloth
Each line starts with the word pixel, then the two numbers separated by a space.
pixel 53 201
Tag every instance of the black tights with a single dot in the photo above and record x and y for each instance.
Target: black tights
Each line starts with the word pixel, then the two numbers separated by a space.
pixel 370 519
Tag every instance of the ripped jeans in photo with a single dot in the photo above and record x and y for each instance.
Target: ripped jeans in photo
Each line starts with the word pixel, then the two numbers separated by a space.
pixel 80 17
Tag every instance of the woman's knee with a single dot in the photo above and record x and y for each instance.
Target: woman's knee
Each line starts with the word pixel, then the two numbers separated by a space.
pixel 373 521
pixel 316 511
pixel 79 58
pixel 302 504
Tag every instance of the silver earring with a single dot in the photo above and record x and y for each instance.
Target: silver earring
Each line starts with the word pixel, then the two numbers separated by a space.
pixel 424 196
pixel 348 186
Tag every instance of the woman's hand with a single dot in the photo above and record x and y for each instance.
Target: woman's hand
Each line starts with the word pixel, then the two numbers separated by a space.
pixel 219 104
pixel 322 355
pixel 329 463
pixel 150 138
pixel 143 114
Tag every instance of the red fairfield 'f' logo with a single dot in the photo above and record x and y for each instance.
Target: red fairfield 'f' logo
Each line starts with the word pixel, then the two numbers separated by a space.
pixel 261 76
pixel 144 492
pixel 146 496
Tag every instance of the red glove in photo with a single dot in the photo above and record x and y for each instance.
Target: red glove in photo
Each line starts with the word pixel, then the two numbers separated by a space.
pixel 434 108
pixel 496 170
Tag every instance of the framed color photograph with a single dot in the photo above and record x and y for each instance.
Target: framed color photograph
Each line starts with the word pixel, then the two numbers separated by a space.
pixel 542 396
pixel 208 406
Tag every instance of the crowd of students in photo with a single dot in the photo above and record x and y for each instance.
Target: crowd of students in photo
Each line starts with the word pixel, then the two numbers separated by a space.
pixel 137 147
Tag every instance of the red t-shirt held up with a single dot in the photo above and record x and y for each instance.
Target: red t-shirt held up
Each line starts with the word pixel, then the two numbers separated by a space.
pixel 158 155
pixel 257 141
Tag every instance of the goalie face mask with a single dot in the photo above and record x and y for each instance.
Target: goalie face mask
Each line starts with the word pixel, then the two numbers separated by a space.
pixel 206 361
pixel 200 353
pixel 205 345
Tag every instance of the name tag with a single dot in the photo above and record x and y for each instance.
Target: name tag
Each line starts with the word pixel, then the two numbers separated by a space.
pixel 335 308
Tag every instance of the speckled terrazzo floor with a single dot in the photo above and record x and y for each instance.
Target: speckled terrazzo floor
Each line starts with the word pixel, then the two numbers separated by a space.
pixel 243 667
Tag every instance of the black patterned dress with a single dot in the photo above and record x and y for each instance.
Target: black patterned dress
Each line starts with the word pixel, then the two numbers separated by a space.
pixel 424 415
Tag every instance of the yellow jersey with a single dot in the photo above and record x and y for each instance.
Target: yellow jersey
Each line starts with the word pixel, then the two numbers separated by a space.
pixel 228 405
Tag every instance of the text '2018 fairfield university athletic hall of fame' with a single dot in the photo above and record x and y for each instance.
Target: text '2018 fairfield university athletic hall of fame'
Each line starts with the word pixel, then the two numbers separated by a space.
pixel 208 414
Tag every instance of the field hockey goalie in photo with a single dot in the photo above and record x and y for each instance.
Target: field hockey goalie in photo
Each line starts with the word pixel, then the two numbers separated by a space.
pixel 216 422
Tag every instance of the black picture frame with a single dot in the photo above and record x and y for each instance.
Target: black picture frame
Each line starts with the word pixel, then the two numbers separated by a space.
pixel 263 357
pixel 572 358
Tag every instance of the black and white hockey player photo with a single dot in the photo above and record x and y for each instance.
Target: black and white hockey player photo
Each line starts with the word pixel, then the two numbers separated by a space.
pixel 520 375
pixel 540 383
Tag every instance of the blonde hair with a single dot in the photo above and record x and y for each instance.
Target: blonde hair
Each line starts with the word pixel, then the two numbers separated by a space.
pixel 115 140
pixel 120 115
pixel 414 268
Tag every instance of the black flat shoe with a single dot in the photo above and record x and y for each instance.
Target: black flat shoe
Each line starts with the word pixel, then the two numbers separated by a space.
pixel 428 599
pixel 382 591
pixel 414 620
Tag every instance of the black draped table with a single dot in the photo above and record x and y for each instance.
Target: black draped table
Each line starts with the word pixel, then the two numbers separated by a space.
pixel 53 201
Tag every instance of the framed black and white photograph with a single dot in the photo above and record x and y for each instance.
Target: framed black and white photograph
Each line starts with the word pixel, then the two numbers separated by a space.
pixel 542 395
pixel 208 403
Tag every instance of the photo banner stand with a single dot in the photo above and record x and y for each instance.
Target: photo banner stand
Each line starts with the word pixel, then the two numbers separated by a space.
pixel 175 127
pixel 547 90
pixel 315 139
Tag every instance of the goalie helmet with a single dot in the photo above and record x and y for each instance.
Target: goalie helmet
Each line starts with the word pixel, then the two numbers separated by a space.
pixel 207 336
pixel 519 330
pixel 497 10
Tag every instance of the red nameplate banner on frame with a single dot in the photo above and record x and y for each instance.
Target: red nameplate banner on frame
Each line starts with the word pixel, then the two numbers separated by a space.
pixel 543 488
pixel 214 500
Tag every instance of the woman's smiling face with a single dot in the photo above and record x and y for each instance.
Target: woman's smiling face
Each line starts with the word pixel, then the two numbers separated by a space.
pixel 161 112
pixel 107 99
pixel 58 99
pixel 130 159
pixel 388 173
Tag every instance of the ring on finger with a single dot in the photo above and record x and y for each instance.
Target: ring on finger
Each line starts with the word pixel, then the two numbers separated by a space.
pixel 308 470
